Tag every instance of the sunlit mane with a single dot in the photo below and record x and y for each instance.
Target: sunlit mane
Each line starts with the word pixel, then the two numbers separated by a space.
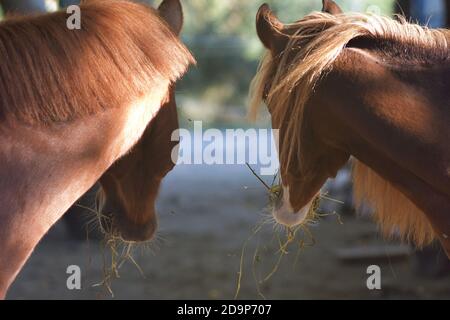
pixel 315 43
pixel 396 214
pixel 52 74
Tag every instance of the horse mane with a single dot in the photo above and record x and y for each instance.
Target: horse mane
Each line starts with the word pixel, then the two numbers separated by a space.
pixel 395 213
pixel 50 74
pixel 315 43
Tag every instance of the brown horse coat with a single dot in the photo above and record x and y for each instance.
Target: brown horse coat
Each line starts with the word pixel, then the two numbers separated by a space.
pixel 71 103
pixel 340 85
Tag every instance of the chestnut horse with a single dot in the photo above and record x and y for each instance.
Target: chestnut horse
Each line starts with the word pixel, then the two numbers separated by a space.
pixel 340 85
pixel 72 103
pixel 130 186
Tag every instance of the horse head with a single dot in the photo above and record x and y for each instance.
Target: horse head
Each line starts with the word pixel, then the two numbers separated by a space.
pixel 300 189
pixel 126 200
pixel 329 77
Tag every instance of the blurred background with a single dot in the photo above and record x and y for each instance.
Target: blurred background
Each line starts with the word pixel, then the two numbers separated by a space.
pixel 208 246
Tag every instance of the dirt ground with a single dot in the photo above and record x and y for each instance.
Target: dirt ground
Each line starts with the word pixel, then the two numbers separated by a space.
pixel 205 216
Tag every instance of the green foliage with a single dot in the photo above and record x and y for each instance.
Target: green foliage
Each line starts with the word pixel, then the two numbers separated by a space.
pixel 237 18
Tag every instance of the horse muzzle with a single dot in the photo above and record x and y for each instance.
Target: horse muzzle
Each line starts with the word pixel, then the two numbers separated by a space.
pixel 284 214
pixel 115 221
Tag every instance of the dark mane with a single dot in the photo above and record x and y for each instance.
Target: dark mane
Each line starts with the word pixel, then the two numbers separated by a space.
pixel 49 73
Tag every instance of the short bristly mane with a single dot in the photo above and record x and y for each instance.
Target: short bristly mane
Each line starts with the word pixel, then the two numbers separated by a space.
pixel 315 43
pixel 50 74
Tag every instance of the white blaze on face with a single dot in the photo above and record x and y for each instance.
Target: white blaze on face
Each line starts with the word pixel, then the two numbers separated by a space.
pixel 285 215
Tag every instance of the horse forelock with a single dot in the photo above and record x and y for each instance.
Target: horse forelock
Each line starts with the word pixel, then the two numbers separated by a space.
pixel 314 44
pixel 52 74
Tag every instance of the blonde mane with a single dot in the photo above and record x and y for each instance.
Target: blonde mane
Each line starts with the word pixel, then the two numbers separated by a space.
pixel 316 42
pixel 395 213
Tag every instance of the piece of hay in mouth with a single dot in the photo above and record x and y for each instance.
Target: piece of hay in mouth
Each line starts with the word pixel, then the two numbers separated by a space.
pixel 115 251
pixel 275 194
pixel 298 237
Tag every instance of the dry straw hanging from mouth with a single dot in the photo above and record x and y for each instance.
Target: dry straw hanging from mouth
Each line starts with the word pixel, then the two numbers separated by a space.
pixel 115 250
pixel 288 238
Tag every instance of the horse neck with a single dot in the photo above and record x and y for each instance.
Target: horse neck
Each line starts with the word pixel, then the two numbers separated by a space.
pixel 395 121
pixel 45 170
pixel 388 107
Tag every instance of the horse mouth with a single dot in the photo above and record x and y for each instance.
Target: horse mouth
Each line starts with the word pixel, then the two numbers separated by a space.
pixel 114 223
pixel 131 232
pixel 288 217
pixel 285 215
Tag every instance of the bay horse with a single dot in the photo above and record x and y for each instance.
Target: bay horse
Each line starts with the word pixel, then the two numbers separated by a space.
pixel 72 102
pixel 368 87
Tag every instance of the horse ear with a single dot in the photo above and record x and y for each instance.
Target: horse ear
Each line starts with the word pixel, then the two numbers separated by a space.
pixel 172 12
pixel 331 7
pixel 269 30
